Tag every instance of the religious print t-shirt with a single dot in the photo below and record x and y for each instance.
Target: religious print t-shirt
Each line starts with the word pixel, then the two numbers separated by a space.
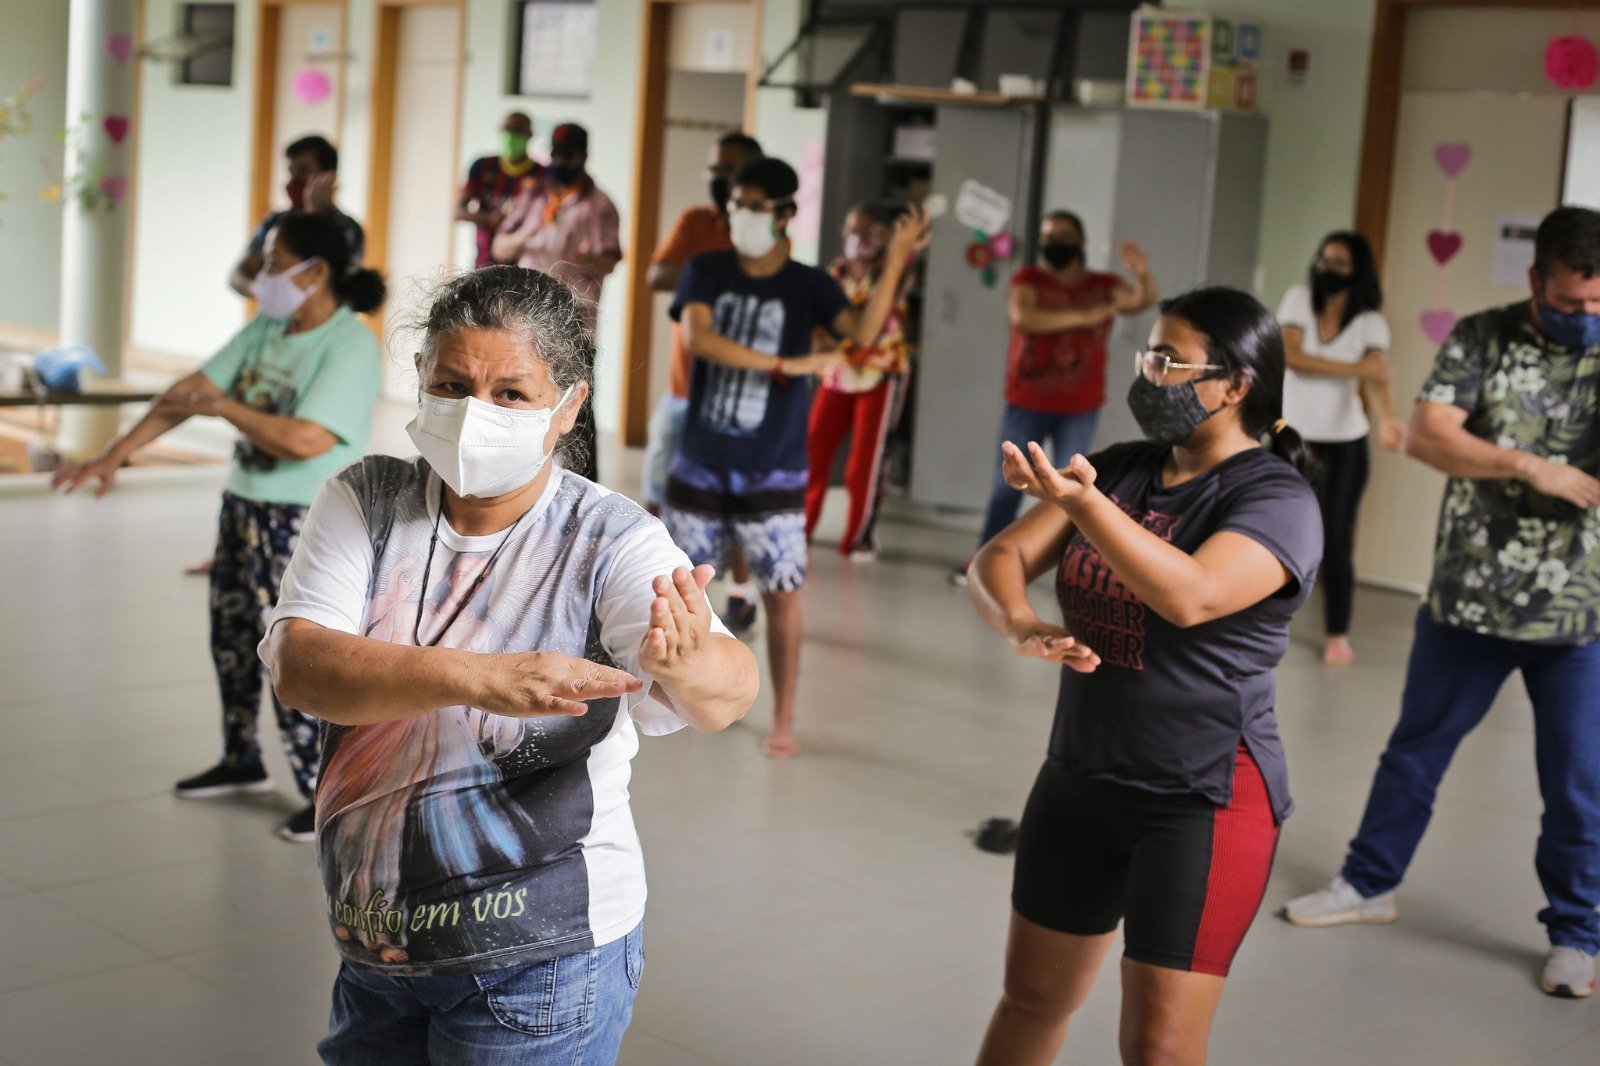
pixel 463 841
pixel 1167 707
pixel 330 375
pixel 1062 372
pixel 748 419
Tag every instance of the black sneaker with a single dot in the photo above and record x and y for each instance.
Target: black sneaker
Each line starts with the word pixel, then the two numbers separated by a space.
pixel 740 615
pixel 224 780
pixel 301 826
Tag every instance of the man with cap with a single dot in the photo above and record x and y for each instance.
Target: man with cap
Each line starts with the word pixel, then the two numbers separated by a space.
pixel 493 181
pixel 565 226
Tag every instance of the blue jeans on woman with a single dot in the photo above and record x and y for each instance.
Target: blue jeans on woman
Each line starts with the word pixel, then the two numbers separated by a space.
pixel 1068 435
pixel 1452 679
pixel 566 1011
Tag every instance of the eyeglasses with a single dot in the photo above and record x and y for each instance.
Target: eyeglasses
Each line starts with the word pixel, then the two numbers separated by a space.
pixel 1153 367
pixel 1333 266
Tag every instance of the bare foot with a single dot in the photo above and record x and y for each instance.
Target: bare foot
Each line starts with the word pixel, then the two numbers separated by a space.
pixel 781 745
pixel 200 569
pixel 1337 652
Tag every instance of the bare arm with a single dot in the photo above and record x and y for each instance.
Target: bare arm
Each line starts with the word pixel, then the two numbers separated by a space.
pixel 1022 307
pixel 710 679
pixel 1142 294
pixel 1374 366
pixel 280 436
pixel 350 680
pixel 910 236
pixel 1440 438
pixel 702 339
pixel 663 276
pixel 470 209
pixel 1228 573
pixel 163 415
pixel 242 279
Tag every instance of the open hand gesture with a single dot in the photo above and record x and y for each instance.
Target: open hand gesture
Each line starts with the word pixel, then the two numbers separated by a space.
pixel 911 233
pixel 319 192
pixel 680 624
pixel 1037 639
pixel 1133 258
pixel 1032 473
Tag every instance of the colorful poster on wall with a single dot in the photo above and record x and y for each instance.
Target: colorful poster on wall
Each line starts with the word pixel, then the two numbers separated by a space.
pixel 1170 61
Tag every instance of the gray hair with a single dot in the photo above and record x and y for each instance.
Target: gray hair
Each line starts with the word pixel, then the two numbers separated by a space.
pixel 541 312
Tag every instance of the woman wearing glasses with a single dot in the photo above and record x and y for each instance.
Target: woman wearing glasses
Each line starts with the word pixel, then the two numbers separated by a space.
pixel 1337 344
pixel 1178 563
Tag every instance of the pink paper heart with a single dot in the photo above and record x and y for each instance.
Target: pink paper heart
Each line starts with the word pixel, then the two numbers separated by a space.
pixel 1444 244
pixel 114 186
pixel 116 127
pixel 1437 323
pixel 1452 156
pixel 120 45
pixel 312 86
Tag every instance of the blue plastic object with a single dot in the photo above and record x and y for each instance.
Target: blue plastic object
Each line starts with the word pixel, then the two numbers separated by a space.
pixel 58 368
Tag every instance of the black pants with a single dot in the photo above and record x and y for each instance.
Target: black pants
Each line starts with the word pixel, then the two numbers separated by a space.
pixel 1344 478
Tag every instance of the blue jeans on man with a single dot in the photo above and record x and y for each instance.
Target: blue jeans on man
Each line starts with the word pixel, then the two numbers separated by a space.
pixel 565 1010
pixel 1067 435
pixel 1452 678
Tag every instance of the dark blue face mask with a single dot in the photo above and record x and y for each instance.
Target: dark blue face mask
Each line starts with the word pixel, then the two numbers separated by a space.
pixel 1570 329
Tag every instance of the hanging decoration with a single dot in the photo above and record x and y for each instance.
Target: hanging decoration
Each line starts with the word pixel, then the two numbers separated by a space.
pixel 312 86
pixel 985 250
pixel 120 47
pixel 1571 61
pixel 16 121
pixel 1444 243
pixel 116 127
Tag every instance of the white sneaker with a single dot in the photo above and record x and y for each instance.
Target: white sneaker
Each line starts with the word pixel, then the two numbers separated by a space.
pixel 1568 973
pixel 1340 904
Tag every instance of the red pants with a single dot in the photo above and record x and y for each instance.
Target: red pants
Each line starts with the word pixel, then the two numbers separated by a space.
pixel 868 417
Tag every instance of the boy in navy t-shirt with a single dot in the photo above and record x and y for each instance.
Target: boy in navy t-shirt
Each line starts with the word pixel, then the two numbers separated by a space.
pixel 740 472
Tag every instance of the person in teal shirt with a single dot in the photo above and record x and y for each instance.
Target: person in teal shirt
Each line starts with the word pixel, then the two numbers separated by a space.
pixel 299 382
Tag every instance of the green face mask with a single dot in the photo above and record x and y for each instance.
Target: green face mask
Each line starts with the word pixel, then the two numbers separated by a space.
pixel 513 145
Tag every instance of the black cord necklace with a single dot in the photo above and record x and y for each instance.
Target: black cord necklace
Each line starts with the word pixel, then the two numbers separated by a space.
pixel 422 597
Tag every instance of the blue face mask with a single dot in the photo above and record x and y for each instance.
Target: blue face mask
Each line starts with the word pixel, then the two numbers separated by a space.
pixel 1570 329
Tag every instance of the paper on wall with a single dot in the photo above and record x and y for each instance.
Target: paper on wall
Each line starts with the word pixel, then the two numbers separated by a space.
pixel 982 208
pixel 1513 248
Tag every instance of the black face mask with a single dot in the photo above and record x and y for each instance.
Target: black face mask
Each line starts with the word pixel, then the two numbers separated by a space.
pixel 1061 256
pixel 1167 414
pixel 721 192
pixel 565 174
pixel 1327 283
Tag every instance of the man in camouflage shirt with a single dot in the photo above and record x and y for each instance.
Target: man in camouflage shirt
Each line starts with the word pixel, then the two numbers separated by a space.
pixel 1510 413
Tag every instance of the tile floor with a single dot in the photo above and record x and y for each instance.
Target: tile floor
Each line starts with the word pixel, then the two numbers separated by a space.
pixel 829 910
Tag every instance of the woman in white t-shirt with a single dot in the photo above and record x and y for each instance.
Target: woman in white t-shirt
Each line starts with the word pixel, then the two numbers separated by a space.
pixel 1337 385
pixel 484 634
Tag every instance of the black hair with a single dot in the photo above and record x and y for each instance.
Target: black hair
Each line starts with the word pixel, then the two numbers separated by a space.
pixel 1366 292
pixel 775 178
pixel 1570 235
pixel 742 141
pixel 1061 214
pixel 327 155
pixel 885 211
pixel 1243 337
pixel 310 236
pixel 536 308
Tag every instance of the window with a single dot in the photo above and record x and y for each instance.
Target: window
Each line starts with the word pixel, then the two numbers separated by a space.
pixel 556 45
pixel 208 30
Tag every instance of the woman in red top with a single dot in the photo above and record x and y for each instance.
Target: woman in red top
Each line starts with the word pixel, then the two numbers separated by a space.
pixel 1061 316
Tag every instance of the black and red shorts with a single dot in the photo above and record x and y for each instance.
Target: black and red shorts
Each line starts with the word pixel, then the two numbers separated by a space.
pixel 1186 876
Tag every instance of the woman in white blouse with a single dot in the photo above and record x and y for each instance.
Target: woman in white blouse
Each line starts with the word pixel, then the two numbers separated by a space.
pixel 1337 386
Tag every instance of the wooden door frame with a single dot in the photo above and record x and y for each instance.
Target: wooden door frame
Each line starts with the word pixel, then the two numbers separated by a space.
pixel 1374 187
pixel 385 56
pixel 645 213
pixel 264 110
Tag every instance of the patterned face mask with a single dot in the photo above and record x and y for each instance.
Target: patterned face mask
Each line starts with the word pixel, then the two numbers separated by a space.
pixel 1167 414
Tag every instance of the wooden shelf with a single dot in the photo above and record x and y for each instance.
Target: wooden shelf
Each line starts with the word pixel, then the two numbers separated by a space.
pixel 921 94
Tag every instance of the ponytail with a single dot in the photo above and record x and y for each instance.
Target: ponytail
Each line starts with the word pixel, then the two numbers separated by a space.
pixel 319 237
pixel 1284 441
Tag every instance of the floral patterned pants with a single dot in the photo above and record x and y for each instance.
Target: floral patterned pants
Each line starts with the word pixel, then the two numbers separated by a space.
pixel 254 542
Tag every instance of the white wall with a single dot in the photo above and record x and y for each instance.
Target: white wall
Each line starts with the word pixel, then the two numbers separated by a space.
pixel 1314 140
pixel 33 40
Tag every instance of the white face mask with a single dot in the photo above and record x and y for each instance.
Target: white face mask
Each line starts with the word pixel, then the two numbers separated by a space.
pixel 481 449
pixel 751 232
pixel 279 297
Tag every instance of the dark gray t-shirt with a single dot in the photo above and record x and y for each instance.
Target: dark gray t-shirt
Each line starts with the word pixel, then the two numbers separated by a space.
pixel 1168 708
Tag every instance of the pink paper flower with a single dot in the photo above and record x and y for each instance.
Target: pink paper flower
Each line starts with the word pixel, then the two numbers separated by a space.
pixel 1571 62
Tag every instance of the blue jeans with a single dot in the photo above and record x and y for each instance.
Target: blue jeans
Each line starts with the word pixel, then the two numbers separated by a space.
pixel 661 444
pixel 1069 435
pixel 567 1011
pixel 1452 679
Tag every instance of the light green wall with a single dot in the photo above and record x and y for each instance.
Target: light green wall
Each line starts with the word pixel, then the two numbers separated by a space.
pixel 1314 140
pixel 33 40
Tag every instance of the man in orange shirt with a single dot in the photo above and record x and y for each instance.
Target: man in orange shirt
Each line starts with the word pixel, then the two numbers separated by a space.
pixel 701 228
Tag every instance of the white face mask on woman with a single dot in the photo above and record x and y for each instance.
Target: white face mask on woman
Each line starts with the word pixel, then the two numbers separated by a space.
pixel 481 449
pixel 278 296
pixel 752 232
